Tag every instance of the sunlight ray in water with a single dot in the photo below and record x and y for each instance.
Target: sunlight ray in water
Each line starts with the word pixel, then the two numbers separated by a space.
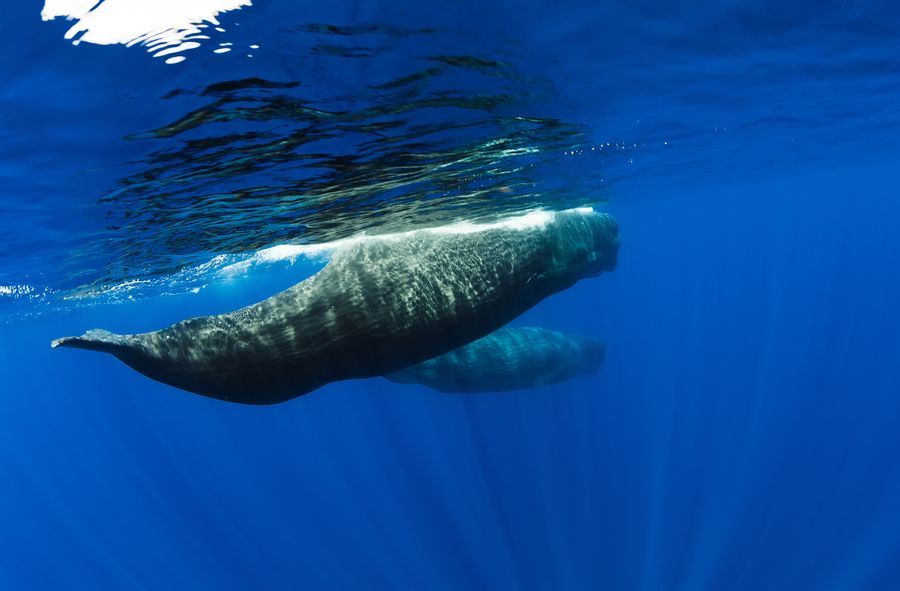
pixel 164 27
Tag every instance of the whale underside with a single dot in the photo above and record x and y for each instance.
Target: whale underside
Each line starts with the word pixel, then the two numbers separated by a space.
pixel 380 304
pixel 512 358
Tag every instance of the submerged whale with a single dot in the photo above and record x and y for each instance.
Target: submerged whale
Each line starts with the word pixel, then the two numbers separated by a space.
pixel 508 359
pixel 380 304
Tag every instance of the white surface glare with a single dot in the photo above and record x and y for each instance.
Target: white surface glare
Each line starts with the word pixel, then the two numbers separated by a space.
pixel 163 26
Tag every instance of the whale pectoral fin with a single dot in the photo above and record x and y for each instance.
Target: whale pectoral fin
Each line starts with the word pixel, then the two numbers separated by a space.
pixel 94 340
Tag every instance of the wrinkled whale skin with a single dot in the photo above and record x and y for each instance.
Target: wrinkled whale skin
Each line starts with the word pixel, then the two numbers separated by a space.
pixel 379 305
pixel 512 358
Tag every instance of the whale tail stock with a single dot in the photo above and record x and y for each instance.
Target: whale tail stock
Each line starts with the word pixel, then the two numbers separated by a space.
pixel 96 340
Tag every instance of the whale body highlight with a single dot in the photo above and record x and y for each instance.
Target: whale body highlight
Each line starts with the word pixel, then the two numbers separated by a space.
pixel 381 303
pixel 512 358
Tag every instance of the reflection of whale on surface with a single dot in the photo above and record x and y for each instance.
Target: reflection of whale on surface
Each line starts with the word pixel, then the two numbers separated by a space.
pixel 508 359
pixel 381 304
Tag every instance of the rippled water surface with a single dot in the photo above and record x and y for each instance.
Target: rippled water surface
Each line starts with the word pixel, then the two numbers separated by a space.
pixel 373 118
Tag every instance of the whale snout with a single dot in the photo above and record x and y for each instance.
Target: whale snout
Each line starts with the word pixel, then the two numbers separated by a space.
pixel 609 259
pixel 594 354
pixel 604 246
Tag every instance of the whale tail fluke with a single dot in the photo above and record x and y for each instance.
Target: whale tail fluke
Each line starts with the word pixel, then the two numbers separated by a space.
pixel 95 340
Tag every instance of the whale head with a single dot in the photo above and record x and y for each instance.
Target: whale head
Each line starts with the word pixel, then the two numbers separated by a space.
pixel 593 353
pixel 583 244
pixel 604 238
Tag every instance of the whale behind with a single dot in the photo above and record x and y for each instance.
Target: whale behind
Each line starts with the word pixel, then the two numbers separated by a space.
pixel 512 358
pixel 381 304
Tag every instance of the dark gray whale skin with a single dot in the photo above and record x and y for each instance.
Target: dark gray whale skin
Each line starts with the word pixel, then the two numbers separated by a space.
pixel 507 359
pixel 379 305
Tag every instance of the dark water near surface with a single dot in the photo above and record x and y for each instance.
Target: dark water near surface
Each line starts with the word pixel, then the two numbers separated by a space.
pixel 740 435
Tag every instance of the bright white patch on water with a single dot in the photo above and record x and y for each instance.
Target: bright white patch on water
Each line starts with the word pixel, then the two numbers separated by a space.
pixel 291 252
pixel 163 26
pixel 532 219
pixel 281 253
pixel 16 291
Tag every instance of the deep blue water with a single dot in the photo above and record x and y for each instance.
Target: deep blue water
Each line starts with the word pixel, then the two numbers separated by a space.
pixel 741 434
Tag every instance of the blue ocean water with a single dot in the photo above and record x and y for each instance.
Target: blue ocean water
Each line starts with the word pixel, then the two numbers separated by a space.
pixel 741 434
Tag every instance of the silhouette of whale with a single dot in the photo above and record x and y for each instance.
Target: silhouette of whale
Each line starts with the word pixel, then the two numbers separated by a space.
pixel 512 358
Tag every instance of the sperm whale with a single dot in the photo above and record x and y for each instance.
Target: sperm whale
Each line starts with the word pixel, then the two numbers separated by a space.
pixel 512 358
pixel 381 303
